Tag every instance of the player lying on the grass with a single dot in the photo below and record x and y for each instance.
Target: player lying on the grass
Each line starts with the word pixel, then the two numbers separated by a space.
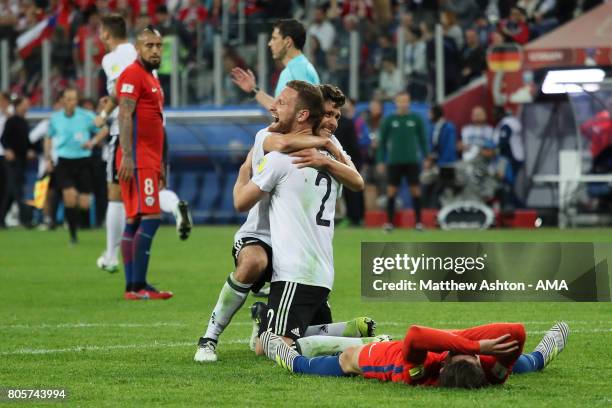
pixel 252 249
pixel 469 358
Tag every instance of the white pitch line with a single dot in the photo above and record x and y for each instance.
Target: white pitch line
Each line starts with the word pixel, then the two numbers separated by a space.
pixel 90 325
pixel 80 349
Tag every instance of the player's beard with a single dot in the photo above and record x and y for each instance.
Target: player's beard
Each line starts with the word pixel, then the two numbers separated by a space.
pixel 281 126
pixel 150 66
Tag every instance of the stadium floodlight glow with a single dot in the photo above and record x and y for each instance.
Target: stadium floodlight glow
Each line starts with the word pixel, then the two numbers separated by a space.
pixel 568 80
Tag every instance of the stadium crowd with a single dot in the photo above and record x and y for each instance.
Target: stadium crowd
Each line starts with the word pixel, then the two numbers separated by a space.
pixel 470 26
pixel 492 155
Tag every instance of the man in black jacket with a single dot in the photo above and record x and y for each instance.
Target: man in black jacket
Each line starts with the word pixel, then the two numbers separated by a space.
pixel 17 150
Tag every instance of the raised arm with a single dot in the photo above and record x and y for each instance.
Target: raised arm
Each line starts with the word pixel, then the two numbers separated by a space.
pixel 420 339
pixel 246 81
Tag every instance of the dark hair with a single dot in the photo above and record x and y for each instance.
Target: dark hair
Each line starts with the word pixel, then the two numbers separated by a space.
pixel 293 29
pixel 333 94
pixel 310 99
pixel 462 374
pixel 70 89
pixel 115 25
pixel 437 111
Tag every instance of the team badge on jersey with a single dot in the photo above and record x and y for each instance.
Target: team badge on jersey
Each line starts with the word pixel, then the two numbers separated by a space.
pixel 127 88
pixel 115 68
pixel 149 201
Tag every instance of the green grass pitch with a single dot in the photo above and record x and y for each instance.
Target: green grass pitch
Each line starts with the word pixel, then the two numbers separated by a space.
pixel 63 324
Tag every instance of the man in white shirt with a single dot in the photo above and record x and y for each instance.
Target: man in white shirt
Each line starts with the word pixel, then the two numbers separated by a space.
pixel 475 135
pixel 252 249
pixel 301 213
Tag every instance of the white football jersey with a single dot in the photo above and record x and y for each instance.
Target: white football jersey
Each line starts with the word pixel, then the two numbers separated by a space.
pixel 302 210
pixel 257 224
pixel 113 65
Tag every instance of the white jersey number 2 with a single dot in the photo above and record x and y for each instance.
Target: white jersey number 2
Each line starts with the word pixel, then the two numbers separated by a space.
pixel 320 220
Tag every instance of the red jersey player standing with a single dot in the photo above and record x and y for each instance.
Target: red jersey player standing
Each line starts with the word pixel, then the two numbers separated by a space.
pixel 139 161
pixel 469 358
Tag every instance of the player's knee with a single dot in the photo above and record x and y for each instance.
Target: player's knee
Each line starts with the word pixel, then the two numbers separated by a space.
pixel 114 192
pixel 250 265
pixel 349 360
pixel 70 197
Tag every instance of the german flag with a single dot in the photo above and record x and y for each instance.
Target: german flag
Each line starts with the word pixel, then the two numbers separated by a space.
pixel 505 58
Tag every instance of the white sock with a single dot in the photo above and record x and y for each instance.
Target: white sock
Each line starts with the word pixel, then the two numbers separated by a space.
pixel 314 346
pixel 115 224
pixel 232 297
pixel 168 201
pixel 332 329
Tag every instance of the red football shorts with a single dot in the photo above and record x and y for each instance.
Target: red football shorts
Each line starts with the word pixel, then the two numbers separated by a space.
pixel 141 194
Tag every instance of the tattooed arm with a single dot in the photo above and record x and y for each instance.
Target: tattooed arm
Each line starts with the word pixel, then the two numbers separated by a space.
pixel 126 111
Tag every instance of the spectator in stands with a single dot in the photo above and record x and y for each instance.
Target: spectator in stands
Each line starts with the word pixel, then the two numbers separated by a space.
pixel 368 142
pixel 172 30
pixel 17 151
pixel 484 29
pixel 402 146
pixel 4 114
pixel 515 28
pixel 9 12
pixel 473 58
pixel 390 79
pixel 442 153
pixel 465 10
pixel 193 14
pixel 385 50
pixel 452 62
pixel 322 29
pixel 448 20
pixel 347 136
pixel 541 15
pixel 341 62
pixel 474 135
pixel 508 136
pixel 88 32
pixel 415 65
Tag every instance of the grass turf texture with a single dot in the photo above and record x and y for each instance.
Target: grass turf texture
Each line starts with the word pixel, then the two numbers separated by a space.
pixel 63 323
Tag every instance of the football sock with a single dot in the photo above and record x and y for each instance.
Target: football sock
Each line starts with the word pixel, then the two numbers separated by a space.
pixel 168 201
pixel 115 224
pixel 324 366
pixel 142 247
pixel 277 350
pixel 314 346
pixel 390 209
pixel 416 204
pixel 231 298
pixel 527 363
pixel 84 218
pixel 325 345
pixel 72 215
pixel 127 252
pixel 358 327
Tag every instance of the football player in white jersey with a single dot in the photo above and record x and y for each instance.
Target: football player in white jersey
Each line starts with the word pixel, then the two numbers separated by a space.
pixel 113 33
pixel 301 214
pixel 252 250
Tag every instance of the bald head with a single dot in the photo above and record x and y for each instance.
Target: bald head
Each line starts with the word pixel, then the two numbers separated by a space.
pixel 149 47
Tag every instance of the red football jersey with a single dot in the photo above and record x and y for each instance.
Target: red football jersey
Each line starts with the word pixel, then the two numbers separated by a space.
pixel 418 358
pixel 136 83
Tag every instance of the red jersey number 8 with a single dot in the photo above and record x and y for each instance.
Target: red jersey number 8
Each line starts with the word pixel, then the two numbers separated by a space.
pixel 148 186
